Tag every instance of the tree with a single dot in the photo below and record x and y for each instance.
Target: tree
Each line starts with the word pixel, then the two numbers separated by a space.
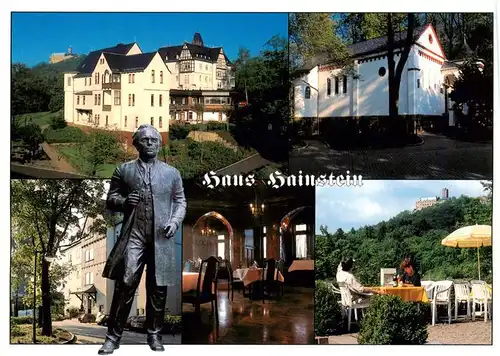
pixel 313 34
pixel 241 73
pixel 395 72
pixel 101 146
pixel 48 212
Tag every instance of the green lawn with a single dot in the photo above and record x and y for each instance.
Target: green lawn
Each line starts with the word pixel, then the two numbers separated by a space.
pixel 42 119
pixel 75 158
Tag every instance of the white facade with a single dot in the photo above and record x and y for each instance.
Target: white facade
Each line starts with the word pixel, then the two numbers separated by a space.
pixel 366 91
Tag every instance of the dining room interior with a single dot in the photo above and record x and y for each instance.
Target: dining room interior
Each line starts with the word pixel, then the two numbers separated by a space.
pixel 248 265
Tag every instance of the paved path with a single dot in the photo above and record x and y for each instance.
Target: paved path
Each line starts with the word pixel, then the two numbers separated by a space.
pixel 95 334
pixel 439 157
pixel 57 160
pixel 246 165
pixel 457 333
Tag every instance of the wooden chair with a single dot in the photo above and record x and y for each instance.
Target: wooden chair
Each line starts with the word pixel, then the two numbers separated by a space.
pixel 269 282
pixel 206 288
pixel 233 281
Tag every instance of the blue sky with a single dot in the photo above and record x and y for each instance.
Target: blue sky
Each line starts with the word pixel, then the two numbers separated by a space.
pixel 379 200
pixel 35 36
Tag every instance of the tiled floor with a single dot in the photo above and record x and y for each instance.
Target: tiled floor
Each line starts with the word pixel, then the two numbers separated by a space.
pixel 289 320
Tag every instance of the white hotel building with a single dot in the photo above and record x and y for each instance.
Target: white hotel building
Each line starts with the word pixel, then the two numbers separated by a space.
pixel 121 87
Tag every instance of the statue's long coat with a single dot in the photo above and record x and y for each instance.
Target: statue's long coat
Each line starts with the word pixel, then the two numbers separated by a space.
pixel 169 205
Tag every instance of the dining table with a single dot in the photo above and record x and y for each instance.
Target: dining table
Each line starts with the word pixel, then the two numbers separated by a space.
pixel 407 293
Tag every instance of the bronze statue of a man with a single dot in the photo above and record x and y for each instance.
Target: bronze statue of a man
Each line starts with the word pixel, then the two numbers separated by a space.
pixel 150 194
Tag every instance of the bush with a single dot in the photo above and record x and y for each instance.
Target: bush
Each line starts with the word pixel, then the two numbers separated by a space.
pixel 65 135
pixel 216 126
pixel 15 330
pixel 178 131
pixel 73 312
pixel 19 320
pixel 391 321
pixel 57 122
pixel 328 319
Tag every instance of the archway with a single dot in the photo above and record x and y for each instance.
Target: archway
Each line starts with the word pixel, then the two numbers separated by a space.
pixel 285 224
pixel 230 234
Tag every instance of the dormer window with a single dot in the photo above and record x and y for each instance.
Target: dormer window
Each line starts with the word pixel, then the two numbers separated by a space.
pixel 152 76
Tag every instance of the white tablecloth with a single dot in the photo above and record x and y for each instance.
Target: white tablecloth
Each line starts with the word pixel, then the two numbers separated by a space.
pixel 302 265
pixel 251 275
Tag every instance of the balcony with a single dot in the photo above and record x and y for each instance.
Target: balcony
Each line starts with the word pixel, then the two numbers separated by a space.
pixel 106 108
pixel 109 86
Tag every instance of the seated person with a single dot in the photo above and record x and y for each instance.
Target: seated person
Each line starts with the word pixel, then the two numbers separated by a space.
pixel 345 276
pixel 410 276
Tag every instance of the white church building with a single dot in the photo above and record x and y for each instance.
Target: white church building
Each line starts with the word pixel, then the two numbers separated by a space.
pixel 322 90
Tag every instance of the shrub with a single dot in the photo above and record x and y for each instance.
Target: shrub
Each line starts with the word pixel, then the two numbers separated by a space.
pixel 328 319
pixel 216 126
pixel 178 131
pixel 65 135
pixel 15 330
pixel 57 121
pixel 391 321
pixel 19 320
pixel 73 312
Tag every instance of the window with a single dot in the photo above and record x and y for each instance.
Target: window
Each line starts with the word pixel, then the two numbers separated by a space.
pixel 344 84
pixel 190 115
pixel 133 99
pixel 98 118
pixel 99 99
pixel 160 100
pixel 116 78
pixel 152 100
pixel 152 76
pixel 152 121
pixel 136 122
pixel 301 227
pixel 89 278
pixel 418 83
pixel 307 93
pixel 90 81
pixel 264 243
pixel 161 77
pixel 328 87
pixel 69 81
pixel 337 85
pixel 78 100
pixel 106 120
pixel 301 246
pixel 101 308
pixel 160 122
pixel 117 97
pixel 91 254
pixel 130 78
pixel 125 124
pixel 221 246
pixel 133 78
pixel 206 66
pixel 183 101
pixel 381 71
pixel 95 99
pixel 130 100
pixel 96 78
pixel 83 100
pixel 85 81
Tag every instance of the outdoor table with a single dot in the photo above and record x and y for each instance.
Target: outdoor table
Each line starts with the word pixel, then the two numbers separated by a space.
pixel 408 294
pixel 302 265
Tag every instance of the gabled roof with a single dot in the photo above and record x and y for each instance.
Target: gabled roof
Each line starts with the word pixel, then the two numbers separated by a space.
pixel 374 45
pixel 197 52
pixel 121 63
pixel 88 65
pixel 379 44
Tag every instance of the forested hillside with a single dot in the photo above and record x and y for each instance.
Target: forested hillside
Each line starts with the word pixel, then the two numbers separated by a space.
pixel 419 233
pixel 39 88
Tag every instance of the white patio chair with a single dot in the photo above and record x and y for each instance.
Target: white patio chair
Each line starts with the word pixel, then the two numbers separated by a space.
pixel 477 282
pixel 349 303
pixel 428 286
pixel 441 296
pixel 462 294
pixel 480 296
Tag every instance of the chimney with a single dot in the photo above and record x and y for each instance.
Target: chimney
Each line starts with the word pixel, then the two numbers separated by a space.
pixel 444 194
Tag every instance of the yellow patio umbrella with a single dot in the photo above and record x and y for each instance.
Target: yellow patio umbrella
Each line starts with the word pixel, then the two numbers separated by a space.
pixel 470 236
